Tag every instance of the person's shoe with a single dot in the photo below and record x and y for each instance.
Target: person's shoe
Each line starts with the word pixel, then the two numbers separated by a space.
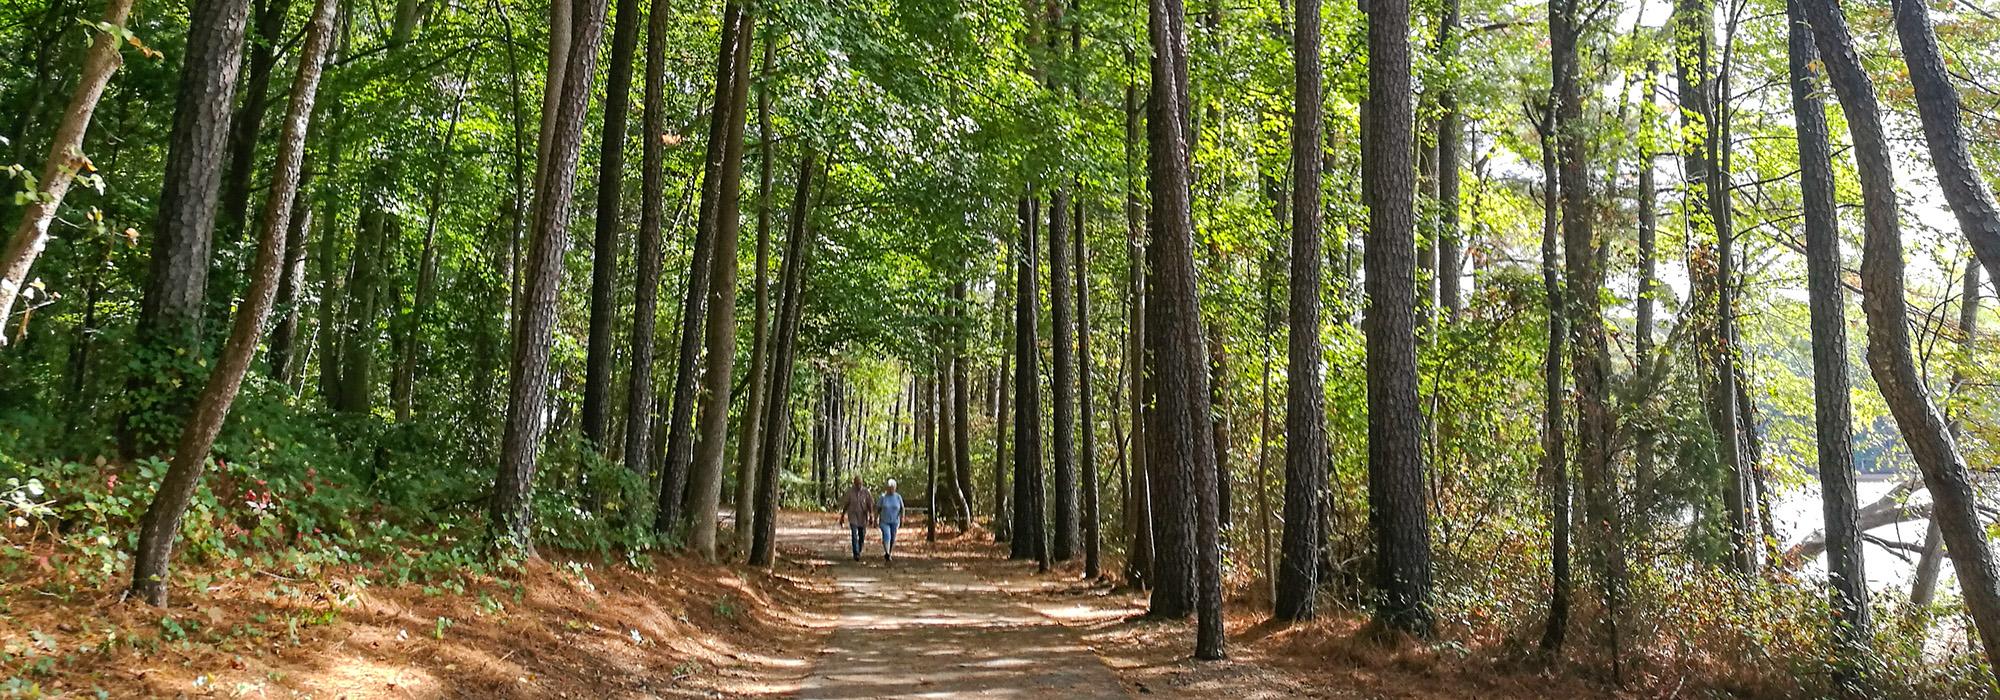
pixel 885 556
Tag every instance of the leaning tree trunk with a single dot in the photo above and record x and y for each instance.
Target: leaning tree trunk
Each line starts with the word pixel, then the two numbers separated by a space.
pixel 1305 392
pixel 604 251
pixel 162 522
pixel 1890 359
pixel 705 476
pixel 1938 107
pixel 520 445
pixel 65 159
pixel 1833 417
pixel 778 409
pixel 672 486
pixel 1181 445
pixel 1396 502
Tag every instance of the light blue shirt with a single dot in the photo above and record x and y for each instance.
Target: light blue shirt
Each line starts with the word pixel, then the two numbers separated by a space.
pixel 889 509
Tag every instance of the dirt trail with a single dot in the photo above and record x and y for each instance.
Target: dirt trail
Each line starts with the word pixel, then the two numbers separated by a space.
pixel 943 623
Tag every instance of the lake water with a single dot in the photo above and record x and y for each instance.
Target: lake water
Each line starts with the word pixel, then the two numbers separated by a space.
pixel 1797 514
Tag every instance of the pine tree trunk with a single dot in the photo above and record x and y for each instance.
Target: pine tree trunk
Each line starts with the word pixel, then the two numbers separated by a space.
pixel 170 310
pixel 1889 357
pixel 511 517
pixel 1086 421
pixel 639 397
pixel 1029 540
pixel 1923 590
pixel 1180 447
pixel 1062 382
pixel 1397 508
pixel 161 524
pixel 597 399
pixel 1648 291
pixel 64 161
pixel 1833 418
pixel 705 476
pixel 1305 390
pixel 778 409
pixel 1450 145
pixel 673 476
pixel 1002 410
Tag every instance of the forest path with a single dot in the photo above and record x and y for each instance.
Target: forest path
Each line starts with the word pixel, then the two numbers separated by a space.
pixel 944 620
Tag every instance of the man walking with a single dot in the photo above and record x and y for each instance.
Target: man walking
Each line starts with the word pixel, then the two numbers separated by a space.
pixel 889 513
pixel 855 511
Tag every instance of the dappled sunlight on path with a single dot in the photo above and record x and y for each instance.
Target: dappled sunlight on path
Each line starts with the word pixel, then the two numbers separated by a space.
pixel 944 624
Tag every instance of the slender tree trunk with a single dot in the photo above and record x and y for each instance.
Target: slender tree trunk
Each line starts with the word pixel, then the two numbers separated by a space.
pixel 646 278
pixel 748 438
pixel 1648 291
pixel 597 399
pixel 1833 419
pixel 1450 144
pixel 357 348
pixel 673 475
pixel 1938 106
pixel 248 121
pixel 778 410
pixel 1139 557
pixel 1305 391
pixel 1086 421
pixel 161 524
pixel 170 311
pixel 930 425
pixel 65 160
pixel 1179 448
pixel 1708 210
pixel 705 476
pixel 1397 510
pixel 1889 358
pixel 1555 457
pixel 961 407
pixel 1003 409
pixel 1923 590
pixel 292 279
pixel 512 526
pixel 1590 356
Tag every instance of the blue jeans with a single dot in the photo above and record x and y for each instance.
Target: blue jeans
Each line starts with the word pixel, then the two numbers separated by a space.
pixel 859 533
pixel 889 538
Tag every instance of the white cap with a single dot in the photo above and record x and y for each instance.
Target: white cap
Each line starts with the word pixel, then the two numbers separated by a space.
pixel 892 483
